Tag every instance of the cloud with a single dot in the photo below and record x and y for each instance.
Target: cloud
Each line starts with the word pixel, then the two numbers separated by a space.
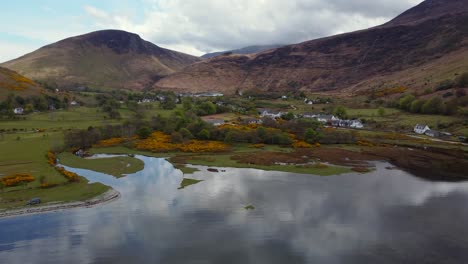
pixel 203 26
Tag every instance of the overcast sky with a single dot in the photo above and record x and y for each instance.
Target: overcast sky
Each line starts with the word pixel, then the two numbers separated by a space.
pixel 191 26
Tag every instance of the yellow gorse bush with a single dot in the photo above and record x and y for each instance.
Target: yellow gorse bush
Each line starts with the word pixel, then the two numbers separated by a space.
pixel 160 142
pixel 16 179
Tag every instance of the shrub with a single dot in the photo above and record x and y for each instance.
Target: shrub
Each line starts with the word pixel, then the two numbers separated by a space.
pixel 416 106
pixel 405 102
pixel 186 134
pixel 433 106
pixel 312 136
pixel 16 179
pixel 204 134
pixel 144 132
pixel 340 112
pixel 445 85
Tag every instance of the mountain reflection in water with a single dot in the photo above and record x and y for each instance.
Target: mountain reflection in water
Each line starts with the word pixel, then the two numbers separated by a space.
pixel 386 216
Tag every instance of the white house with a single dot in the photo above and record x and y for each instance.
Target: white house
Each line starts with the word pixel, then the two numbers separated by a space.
pixel 215 122
pixel 356 124
pixel 327 118
pixel 421 129
pixel 18 111
pixel 250 121
pixel 269 113
pixel 432 133
pixel 74 103
pixel 309 115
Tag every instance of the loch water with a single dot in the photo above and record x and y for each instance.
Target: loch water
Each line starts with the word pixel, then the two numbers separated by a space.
pixel 385 216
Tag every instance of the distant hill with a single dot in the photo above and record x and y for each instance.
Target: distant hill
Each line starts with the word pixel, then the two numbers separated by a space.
pixel 246 50
pixel 13 83
pixel 108 58
pixel 422 46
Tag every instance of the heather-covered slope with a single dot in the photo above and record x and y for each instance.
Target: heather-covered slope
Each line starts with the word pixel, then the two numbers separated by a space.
pixel 426 44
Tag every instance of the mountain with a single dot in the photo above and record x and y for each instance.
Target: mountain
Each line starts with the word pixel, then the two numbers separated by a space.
pixel 417 49
pixel 108 58
pixel 246 50
pixel 13 83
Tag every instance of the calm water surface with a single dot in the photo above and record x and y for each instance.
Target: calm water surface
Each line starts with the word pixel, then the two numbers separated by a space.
pixel 387 216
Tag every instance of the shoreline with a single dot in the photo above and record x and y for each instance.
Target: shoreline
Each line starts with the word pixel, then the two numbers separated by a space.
pixel 106 197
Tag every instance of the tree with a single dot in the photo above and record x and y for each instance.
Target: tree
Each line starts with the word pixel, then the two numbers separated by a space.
pixel 169 103
pixel 416 106
pixel 341 112
pixel 311 136
pixel 207 108
pixel 445 85
pixel 288 116
pixel 433 106
pixel 204 134
pixel 144 132
pixel 29 108
pixel 186 134
pixel 405 102
pixel 187 103
pixel 262 133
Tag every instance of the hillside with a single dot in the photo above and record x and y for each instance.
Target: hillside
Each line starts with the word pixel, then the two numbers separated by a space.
pixel 108 58
pixel 13 83
pixel 246 50
pixel 419 48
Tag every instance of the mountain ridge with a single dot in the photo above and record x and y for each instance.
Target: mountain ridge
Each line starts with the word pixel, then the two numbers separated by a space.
pixel 245 50
pixel 412 42
pixel 105 58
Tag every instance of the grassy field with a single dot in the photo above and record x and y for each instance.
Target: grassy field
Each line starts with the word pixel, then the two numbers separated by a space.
pixel 65 193
pixel 116 166
pixel 27 155
pixel 23 151
pixel 394 118
pixel 186 182
pixel 124 150
pixel 226 161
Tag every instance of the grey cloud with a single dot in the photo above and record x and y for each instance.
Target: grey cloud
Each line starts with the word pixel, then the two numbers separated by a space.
pixel 208 25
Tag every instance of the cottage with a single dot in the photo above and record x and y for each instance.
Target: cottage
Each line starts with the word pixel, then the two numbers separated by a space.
pixel 209 94
pixel 326 118
pixel 253 121
pixel 272 114
pixel 356 124
pixel 215 122
pixel 432 133
pixel 309 115
pixel 421 129
pixel 18 111
pixel 80 153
